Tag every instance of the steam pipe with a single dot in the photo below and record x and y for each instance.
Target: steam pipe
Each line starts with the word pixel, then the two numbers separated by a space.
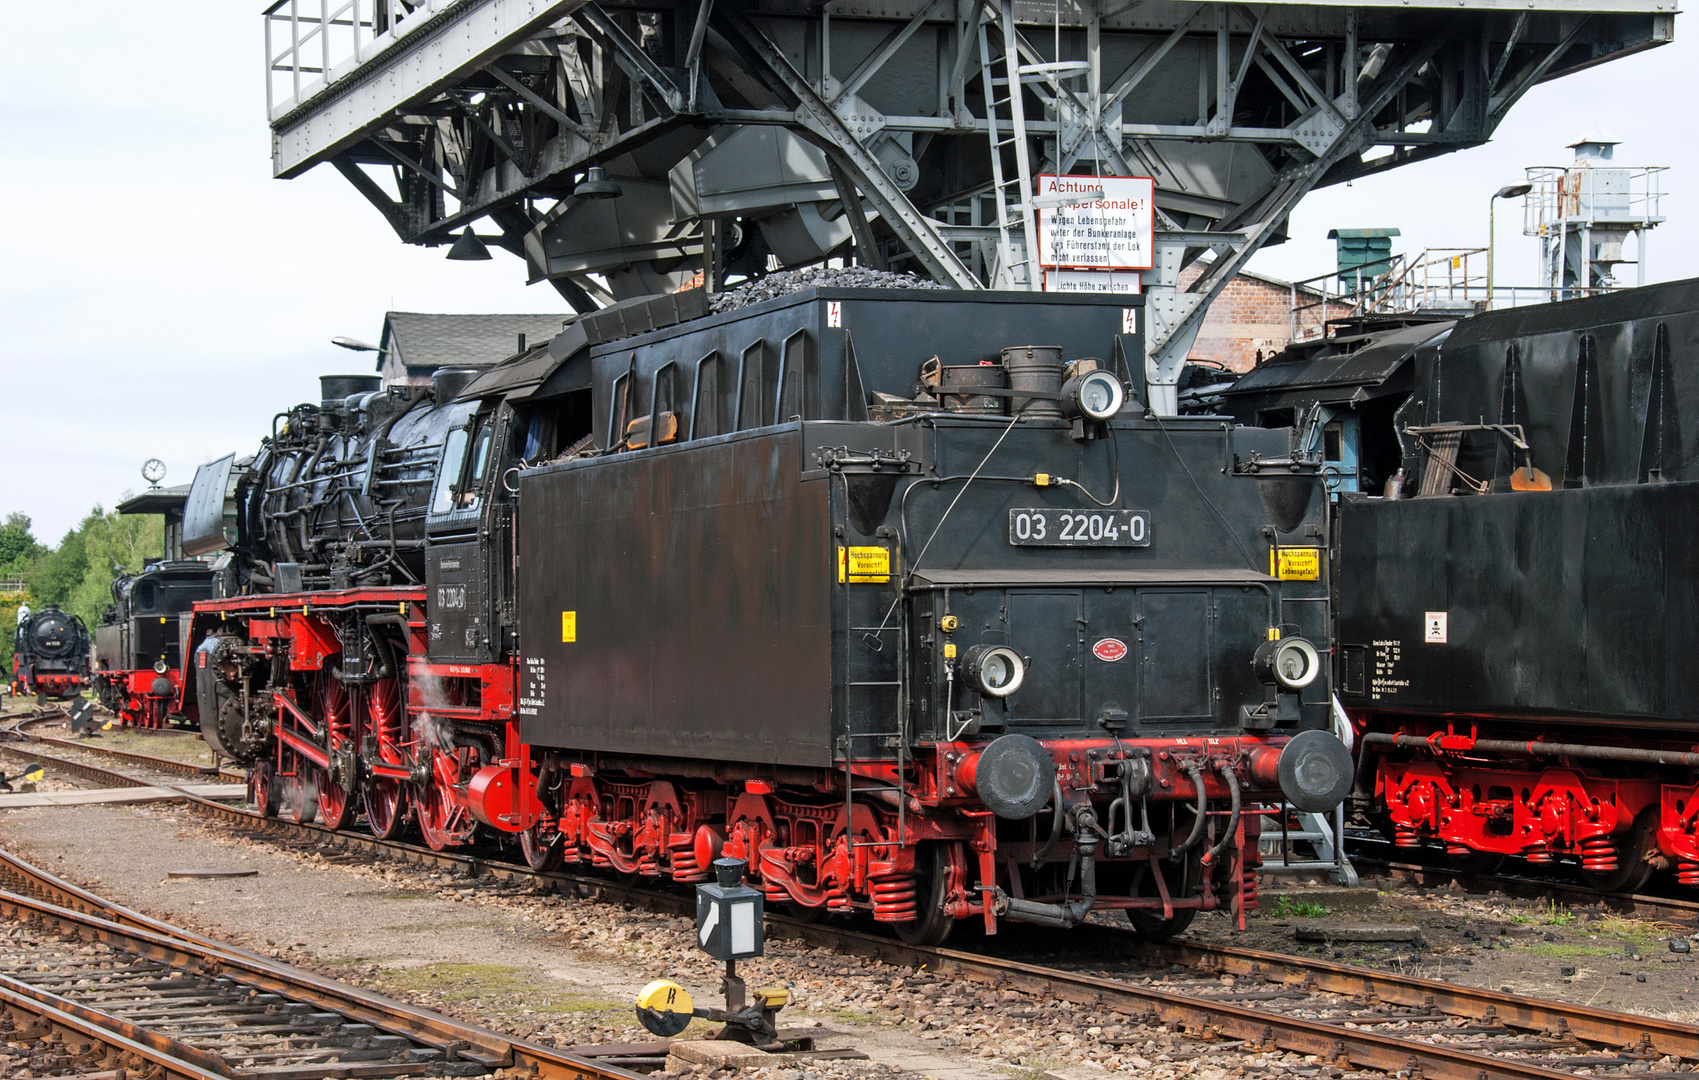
pixel 1544 749
pixel 1068 913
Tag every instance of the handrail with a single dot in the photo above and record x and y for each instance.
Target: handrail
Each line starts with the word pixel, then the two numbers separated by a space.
pixel 329 39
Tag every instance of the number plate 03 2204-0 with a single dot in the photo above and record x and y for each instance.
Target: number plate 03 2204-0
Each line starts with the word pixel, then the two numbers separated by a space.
pixel 1043 527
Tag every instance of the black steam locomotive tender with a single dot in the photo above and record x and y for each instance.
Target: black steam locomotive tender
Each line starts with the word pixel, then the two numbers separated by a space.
pixel 912 616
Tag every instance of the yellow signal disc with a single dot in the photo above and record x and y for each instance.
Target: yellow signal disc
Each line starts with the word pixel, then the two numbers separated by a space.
pixel 664 995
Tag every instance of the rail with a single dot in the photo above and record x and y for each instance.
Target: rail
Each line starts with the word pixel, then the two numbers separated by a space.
pixel 1476 1032
pixel 176 949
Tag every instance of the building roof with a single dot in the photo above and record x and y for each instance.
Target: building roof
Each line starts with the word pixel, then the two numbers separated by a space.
pixel 159 500
pixel 423 342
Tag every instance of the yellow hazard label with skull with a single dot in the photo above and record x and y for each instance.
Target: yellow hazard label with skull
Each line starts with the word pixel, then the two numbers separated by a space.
pixel 864 565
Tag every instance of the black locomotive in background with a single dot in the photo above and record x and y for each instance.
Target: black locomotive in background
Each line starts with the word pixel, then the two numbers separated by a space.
pixel 1518 581
pixel 50 656
pixel 918 618
pixel 138 664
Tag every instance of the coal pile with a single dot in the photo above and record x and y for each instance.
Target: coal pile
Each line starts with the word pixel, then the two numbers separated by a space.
pixel 790 281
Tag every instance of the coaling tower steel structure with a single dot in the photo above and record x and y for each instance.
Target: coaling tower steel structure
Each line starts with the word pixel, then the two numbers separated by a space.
pixel 745 129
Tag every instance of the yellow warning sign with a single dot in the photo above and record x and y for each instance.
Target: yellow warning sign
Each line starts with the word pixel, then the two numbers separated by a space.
pixel 1297 563
pixel 569 626
pixel 864 565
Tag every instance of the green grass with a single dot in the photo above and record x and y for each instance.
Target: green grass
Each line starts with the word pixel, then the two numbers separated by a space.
pixel 1287 908
pixel 1032 1069
pixel 467 982
pixel 1557 949
pixel 410 894
pixel 1550 913
pixel 854 1016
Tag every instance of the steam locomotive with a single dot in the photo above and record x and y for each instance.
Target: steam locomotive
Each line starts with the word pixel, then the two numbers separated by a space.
pixel 1517 575
pixel 138 665
pixel 916 619
pixel 50 654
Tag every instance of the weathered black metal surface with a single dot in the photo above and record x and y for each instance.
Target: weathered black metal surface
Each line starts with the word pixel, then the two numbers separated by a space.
pixel 1604 388
pixel 696 579
pixel 739 595
pixel 1570 603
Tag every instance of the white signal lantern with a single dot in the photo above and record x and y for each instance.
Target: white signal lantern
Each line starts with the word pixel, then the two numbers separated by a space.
pixel 1096 395
pixel 1292 662
pixel 994 670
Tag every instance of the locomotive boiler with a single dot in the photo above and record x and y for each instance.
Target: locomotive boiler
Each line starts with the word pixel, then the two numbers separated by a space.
pixel 50 657
pixel 918 619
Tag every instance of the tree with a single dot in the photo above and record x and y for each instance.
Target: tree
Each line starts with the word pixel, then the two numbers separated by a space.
pixel 63 568
pixel 113 543
pixel 19 553
pixel 18 547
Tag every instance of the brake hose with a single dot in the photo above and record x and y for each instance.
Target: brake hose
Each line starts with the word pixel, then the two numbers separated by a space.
pixel 1195 771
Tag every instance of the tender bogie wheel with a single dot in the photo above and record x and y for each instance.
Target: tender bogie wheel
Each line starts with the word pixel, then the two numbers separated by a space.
pixel 1148 923
pixel 805 913
pixel 935 921
pixel 1151 926
pixel 386 808
pixel 544 850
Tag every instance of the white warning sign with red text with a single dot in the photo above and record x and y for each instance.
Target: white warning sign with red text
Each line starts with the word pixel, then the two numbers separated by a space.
pixel 1116 232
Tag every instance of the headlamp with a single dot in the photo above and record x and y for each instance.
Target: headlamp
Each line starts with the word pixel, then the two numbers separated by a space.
pixel 994 670
pixel 1291 662
pixel 1096 395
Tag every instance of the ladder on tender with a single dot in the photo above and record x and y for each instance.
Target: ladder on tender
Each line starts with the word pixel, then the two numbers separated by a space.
pixel 1325 836
pixel 1323 832
pixel 1005 125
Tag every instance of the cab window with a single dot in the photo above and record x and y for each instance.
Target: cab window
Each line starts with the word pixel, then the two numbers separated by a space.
pixel 448 475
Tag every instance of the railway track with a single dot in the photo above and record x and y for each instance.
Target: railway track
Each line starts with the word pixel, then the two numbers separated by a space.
pixel 1373 859
pixel 152 763
pixel 94 987
pixel 1340 1013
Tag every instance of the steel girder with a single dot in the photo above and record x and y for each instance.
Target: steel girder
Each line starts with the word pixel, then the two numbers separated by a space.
pixel 494 108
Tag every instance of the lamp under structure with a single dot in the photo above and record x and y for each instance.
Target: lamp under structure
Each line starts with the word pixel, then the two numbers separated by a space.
pixel 468 248
pixel 596 185
pixel 961 149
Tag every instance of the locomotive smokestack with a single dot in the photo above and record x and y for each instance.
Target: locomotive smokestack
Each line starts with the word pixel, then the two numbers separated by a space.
pixel 446 383
pixel 333 388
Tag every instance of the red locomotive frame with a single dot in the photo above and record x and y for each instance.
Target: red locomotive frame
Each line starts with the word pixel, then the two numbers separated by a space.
pixel 808 842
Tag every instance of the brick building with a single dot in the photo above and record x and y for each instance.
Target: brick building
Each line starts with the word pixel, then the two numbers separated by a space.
pixel 1252 318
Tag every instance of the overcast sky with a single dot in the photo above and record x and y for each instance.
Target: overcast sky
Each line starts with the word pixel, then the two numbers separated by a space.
pixel 162 296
